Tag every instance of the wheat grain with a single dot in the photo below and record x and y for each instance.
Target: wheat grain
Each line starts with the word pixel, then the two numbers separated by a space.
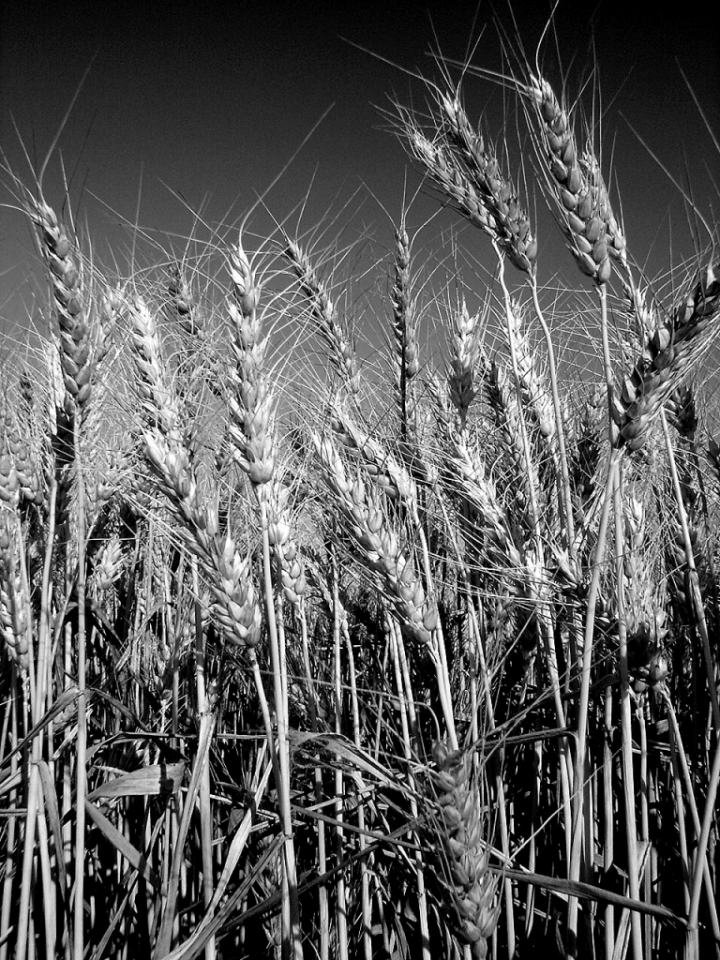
pixel 324 313
pixel 464 349
pixel 534 392
pixel 14 602
pixel 510 221
pixel 250 400
pixel 667 355
pixel 180 305
pixel 76 344
pixel 378 545
pixel 469 888
pixel 585 212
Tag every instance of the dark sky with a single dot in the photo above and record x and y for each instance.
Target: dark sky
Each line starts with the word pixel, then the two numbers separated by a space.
pixel 211 100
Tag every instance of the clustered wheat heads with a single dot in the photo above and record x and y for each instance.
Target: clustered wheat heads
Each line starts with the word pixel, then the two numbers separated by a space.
pixel 465 619
pixel 172 463
pixel 379 544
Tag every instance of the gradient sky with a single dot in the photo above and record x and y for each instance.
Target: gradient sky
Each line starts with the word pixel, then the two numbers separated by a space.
pixel 211 102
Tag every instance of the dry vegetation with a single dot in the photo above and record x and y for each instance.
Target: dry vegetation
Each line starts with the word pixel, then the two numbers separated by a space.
pixel 297 664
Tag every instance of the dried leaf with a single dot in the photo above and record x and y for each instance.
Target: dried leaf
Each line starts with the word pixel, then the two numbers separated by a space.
pixel 154 780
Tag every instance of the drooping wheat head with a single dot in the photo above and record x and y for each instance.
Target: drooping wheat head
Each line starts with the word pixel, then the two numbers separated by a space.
pixel 378 544
pixel 586 216
pixel 324 314
pixel 465 168
pixel 510 220
pixel 668 352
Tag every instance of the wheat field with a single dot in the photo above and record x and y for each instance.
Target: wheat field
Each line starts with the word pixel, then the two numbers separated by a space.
pixel 318 649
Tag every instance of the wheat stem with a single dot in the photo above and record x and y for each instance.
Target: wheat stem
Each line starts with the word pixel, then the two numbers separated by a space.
pixel 680 756
pixel 409 727
pixel 559 420
pixel 626 718
pixel 81 757
pixel 277 655
pixel 365 874
pixel 204 789
pixel 697 599
pixel 709 817
pixel 584 698
pixel 340 894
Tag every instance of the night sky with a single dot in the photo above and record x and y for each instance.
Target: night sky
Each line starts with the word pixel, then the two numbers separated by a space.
pixel 211 102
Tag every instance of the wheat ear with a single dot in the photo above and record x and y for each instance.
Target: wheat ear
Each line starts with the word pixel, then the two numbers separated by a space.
pixel 323 312
pixel 404 325
pixel 76 345
pixel 172 464
pixel 468 887
pixel 511 224
pixel 379 545
pixel 252 434
pixel 14 601
pixel 586 216
pixel 181 305
pixel 474 183
pixel 250 401
pixel 667 355
pixel 461 369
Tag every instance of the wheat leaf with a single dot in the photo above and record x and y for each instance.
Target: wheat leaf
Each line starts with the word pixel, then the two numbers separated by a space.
pixel 154 780
pixel 123 845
